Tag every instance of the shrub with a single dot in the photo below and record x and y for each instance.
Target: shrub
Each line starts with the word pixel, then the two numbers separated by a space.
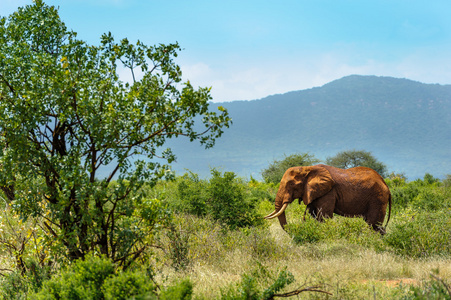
pixel 307 231
pixel 352 230
pixel 82 280
pixel 228 202
pixel 261 243
pixel 224 197
pixel 14 286
pixel 250 285
pixel 428 194
pixel 126 285
pixel 421 235
pixel 403 195
pixel 96 278
pixel 182 290
pixel 192 194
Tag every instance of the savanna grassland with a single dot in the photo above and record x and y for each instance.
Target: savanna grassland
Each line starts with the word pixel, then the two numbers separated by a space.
pixel 341 256
pixel 215 245
pixel 89 208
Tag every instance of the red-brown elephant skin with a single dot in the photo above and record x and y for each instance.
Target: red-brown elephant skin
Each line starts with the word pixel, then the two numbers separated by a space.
pixel 355 192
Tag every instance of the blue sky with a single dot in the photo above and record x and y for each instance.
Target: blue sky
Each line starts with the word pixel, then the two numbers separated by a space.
pixel 251 49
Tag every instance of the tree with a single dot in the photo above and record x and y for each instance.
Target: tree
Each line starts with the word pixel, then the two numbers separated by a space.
pixel 274 172
pixel 80 141
pixel 354 158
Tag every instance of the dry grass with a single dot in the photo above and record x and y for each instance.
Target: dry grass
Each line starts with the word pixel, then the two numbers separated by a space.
pixel 349 271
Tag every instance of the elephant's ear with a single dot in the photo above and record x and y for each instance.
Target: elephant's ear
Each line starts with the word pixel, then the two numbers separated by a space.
pixel 319 182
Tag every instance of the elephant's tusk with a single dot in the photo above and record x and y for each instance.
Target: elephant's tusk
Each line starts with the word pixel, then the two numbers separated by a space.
pixel 270 214
pixel 278 213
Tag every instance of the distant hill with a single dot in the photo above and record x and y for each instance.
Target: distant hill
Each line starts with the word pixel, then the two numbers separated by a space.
pixel 405 124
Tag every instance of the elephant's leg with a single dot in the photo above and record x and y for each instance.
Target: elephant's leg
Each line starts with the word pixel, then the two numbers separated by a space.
pixel 324 207
pixel 312 210
pixel 375 217
pixel 379 228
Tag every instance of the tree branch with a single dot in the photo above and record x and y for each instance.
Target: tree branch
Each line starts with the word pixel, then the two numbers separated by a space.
pixel 315 288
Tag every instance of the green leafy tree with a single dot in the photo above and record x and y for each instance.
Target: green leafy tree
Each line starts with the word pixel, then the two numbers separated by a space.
pixel 69 126
pixel 274 172
pixel 228 202
pixel 355 158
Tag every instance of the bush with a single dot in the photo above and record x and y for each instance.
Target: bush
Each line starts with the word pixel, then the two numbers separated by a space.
pixel 126 285
pixel 428 194
pixel 224 197
pixel 182 290
pixel 14 286
pixel 307 231
pixel 250 285
pixel 82 280
pixel 354 230
pixel 260 243
pixel 228 203
pixel 421 235
pixel 192 195
pixel 178 247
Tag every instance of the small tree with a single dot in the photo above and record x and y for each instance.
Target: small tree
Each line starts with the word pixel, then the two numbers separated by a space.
pixel 228 202
pixel 354 158
pixel 69 126
pixel 274 172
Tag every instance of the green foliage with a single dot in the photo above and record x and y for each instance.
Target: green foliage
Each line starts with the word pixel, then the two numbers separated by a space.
pixel 411 234
pixel 228 203
pixel 285 278
pixel 422 234
pixel 127 285
pixel 308 231
pixel 259 242
pixel 192 193
pixel 69 125
pixel 435 288
pixel 250 285
pixel 96 278
pixel 396 179
pixel 354 230
pixel 428 194
pixel 447 181
pixel 354 158
pixel 224 197
pixel 82 280
pixel 14 286
pixel 182 290
pixel 274 172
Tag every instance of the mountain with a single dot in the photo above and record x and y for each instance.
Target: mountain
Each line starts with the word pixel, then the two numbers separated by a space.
pixel 405 124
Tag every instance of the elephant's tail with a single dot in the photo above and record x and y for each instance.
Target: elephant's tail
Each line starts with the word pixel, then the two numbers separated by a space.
pixel 389 208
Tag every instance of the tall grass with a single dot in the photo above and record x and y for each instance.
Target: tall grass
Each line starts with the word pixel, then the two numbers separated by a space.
pixel 341 256
pixel 350 260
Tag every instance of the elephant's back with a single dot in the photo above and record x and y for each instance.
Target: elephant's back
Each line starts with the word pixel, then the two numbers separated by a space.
pixel 361 183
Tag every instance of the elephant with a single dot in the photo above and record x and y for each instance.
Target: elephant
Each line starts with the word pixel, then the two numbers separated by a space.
pixel 354 192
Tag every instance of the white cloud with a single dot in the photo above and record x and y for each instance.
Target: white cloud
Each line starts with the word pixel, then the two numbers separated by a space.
pixel 244 81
